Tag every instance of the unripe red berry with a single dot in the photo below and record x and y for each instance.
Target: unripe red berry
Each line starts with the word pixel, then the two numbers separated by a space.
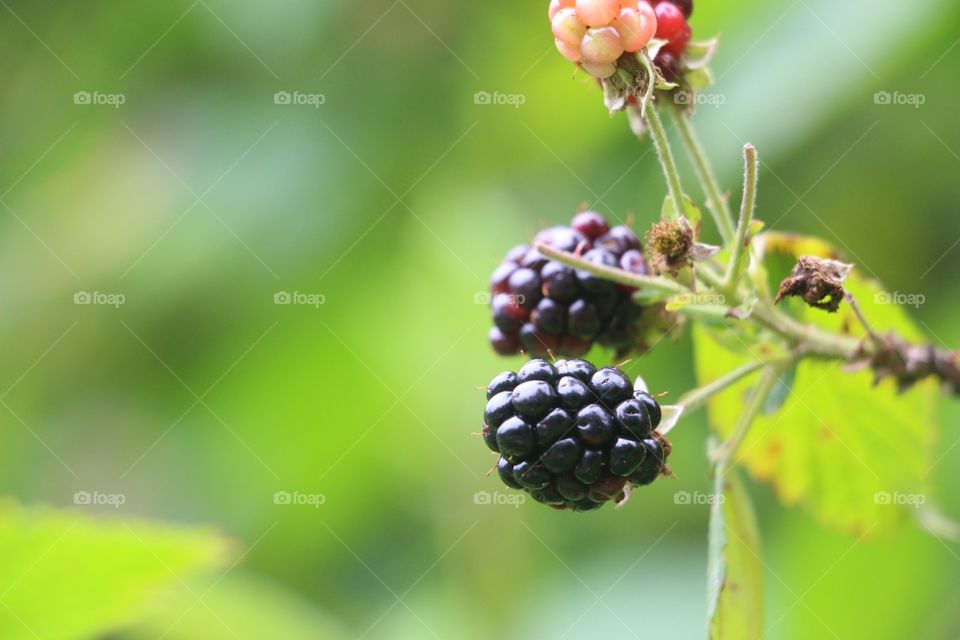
pixel 679 44
pixel 686 6
pixel 670 21
pixel 590 224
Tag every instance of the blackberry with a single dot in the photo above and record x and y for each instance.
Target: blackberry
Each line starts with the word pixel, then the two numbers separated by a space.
pixel 544 307
pixel 572 435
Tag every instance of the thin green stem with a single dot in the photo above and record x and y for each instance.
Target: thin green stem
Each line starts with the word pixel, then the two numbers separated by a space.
pixel 719 208
pixel 614 275
pixel 761 391
pixel 698 397
pixel 814 341
pixel 665 154
pixel 747 206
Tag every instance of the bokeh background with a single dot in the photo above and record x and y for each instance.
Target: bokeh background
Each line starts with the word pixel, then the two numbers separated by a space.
pixel 388 194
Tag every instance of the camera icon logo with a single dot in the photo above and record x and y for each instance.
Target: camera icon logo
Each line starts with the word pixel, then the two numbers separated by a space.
pixel 282 497
pixel 882 497
pixel 482 97
pixel 481 297
pixel 282 297
pixel 82 498
pixel 682 497
pixel 82 297
pixel 683 97
pixel 482 497
pixel 81 97
pixel 883 97
pixel 282 97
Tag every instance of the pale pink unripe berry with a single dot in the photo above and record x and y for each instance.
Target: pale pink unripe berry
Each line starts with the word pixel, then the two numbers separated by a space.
pixel 556 5
pixel 636 27
pixel 569 51
pixel 601 45
pixel 598 13
pixel 599 69
pixel 568 28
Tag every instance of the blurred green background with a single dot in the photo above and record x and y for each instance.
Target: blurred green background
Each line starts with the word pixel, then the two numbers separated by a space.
pixel 386 192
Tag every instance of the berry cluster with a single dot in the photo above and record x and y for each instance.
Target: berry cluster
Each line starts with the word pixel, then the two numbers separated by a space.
pixel 571 435
pixel 544 307
pixel 595 33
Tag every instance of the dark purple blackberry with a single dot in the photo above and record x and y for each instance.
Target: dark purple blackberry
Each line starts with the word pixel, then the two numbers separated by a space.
pixel 611 387
pixel 572 435
pixel 543 307
pixel 575 368
pixel 506 381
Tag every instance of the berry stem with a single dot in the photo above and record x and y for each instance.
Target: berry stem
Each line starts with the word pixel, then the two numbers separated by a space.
pixel 609 273
pixel 747 206
pixel 696 398
pixel 665 154
pixel 723 454
pixel 719 208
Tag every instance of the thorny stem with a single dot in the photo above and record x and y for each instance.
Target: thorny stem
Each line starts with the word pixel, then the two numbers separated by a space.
pixel 747 206
pixel 719 208
pixel 665 154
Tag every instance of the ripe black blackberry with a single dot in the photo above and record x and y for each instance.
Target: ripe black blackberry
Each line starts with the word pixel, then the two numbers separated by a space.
pixel 542 306
pixel 572 435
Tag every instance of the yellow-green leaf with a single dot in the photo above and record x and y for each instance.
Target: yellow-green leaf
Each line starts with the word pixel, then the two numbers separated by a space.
pixel 735 573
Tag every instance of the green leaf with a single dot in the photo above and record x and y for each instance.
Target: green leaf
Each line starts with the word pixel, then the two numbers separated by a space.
pixel 699 79
pixel 840 447
pixel 698 54
pixel 67 575
pixel 734 570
